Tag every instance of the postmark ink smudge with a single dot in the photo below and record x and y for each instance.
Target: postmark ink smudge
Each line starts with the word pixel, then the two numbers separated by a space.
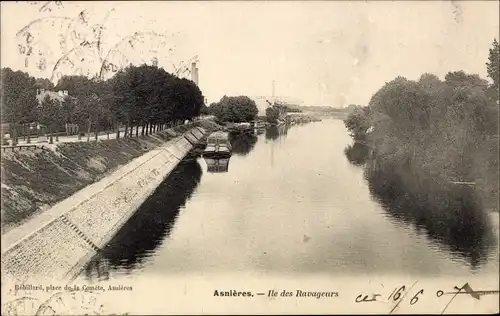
pixel 79 41
pixel 59 303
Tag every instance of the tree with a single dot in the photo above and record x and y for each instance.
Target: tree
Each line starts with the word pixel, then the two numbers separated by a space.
pixel 75 85
pixel 204 110
pixel 17 95
pixel 100 108
pixel 50 115
pixel 124 98
pixel 44 83
pixel 358 122
pixel 351 107
pixel 428 80
pixel 215 109
pixel 272 114
pixel 460 79
pixel 27 110
pixel 189 96
pixel 235 109
pixel 492 67
pixel 69 111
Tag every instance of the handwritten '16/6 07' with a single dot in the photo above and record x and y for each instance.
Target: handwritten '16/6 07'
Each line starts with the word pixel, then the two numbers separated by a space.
pixel 396 294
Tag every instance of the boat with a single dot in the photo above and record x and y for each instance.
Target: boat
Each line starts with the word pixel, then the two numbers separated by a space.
pixel 217 165
pixel 238 127
pixel 218 146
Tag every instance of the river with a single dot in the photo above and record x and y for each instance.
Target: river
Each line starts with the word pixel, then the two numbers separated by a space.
pixel 290 202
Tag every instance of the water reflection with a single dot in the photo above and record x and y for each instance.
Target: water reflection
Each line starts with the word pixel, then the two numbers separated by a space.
pixel 450 216
pixel 151 224
pixel 259 131
pixel 274 132
pixel 242 142
pixel 357 154
pixel 217 165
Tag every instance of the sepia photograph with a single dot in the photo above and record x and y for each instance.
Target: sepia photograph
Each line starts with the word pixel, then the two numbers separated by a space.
pixel 249 157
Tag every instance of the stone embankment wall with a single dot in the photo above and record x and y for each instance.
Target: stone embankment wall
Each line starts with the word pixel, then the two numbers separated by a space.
pixel 62 246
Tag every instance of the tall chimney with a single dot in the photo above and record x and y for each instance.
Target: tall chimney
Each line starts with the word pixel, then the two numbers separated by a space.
pixel 194 73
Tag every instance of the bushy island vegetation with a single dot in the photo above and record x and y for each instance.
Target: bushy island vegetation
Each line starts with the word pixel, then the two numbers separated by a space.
pixel 435 149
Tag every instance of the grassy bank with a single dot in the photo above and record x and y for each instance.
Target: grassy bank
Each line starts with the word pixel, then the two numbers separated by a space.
pixel 32 181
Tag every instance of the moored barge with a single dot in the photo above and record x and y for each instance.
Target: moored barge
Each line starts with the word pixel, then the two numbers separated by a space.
pixel 218 146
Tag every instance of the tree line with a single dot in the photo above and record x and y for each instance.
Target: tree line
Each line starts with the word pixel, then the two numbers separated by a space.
pixel 136 96
pixel 444 129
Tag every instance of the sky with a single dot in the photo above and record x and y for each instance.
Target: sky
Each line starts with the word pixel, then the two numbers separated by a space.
pixel 331 53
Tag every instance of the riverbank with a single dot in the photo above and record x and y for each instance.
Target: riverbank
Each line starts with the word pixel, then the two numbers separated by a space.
pixel 58 242
pixel 33 181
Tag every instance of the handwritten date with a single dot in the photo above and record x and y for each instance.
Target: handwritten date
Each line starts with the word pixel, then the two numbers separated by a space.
pixel 399 293
pixel 395 296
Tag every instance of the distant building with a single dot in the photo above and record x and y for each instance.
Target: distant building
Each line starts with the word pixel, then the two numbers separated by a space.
pixel 58 96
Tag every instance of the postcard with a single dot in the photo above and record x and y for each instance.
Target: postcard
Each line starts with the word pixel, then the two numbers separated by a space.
pixel 249 157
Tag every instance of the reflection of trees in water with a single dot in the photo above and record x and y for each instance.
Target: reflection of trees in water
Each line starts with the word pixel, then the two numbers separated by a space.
pixel 274 132
pixel 145 230
pixel 242 143
pixel 448 215
pixel 357 154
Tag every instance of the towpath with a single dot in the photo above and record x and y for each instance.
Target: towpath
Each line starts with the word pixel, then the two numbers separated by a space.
pixel 74 138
